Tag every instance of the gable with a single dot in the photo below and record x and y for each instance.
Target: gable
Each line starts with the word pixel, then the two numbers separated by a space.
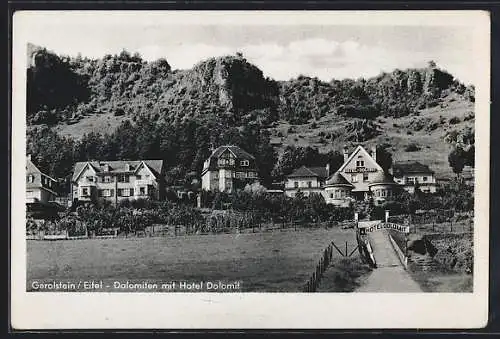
pixel 143 169
pixel 227 153
pixel 360 155
pixel 86 170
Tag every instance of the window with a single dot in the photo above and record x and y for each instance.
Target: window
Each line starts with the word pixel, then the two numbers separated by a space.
pixel 331 195
pixel 123 178
pixel 296 184
pixel 142 191
pixel 138 177
pixel 424 178
pixel 360 163
pixel 131 192
pixel 365 177
pixel 231 161
pixel 31 178
pixel 90 179
pixel 342 194
pixel 337 194
pixel 147 176
pixel 244 163
pixel 106 193
pixel 383 193
pixel 309 184
pixel 111 192
pixel 85 191
pixel 354 178
pixel 119 192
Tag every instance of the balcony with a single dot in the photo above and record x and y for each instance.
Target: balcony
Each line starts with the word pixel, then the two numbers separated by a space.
pixel 145 182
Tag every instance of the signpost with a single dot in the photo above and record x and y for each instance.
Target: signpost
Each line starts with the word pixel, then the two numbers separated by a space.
pixel 386 225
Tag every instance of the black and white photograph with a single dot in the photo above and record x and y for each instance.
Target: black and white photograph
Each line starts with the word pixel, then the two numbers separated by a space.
pixel 232 154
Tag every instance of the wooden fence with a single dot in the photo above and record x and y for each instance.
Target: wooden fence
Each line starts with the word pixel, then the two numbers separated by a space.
pixel 313 282
pixel 326 258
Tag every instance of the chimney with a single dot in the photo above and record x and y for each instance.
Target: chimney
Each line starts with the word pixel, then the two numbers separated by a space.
pixel 373 153
pixel 346 154
pixel 328 170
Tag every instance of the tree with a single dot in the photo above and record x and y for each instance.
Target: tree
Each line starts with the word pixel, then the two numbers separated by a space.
pixel 384 157
pixel 457 160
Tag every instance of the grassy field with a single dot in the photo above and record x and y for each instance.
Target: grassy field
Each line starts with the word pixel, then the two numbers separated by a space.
pixel 261 262
pixel 344 275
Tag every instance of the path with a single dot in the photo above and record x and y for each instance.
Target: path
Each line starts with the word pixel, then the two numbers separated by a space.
pixel 390 275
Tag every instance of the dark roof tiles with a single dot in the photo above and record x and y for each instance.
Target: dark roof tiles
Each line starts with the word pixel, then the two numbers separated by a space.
pixel 410 167
pixel 337 179
pixel 118 166
pixel 305 172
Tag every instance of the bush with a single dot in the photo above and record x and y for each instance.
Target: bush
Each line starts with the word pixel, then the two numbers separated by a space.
pixel 412 148
pixel 119 112
pixel 454 121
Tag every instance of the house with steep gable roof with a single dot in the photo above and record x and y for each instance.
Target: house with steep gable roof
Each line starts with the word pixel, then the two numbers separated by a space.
pixel 115 181
pixel 228 168
pixel 39 186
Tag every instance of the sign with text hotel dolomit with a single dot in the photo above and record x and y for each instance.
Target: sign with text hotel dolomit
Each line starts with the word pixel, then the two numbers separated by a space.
pixel 360 170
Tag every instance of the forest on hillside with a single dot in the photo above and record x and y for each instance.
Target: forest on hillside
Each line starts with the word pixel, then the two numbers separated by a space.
pixel 179 115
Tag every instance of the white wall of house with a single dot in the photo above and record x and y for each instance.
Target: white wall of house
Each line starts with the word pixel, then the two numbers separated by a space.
pixel 307 182
pixel 338 195
pixel 426 181
pixel 307 185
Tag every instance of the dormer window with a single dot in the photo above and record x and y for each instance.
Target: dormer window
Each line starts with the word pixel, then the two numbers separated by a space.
pixel 129 167
pixel 360 163
pixel 244 163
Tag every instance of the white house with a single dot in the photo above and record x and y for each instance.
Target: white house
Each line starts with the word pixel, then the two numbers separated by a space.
pixel 228 168
pixel 39 186
pixel 118 180
pixel 307 180
pixel 409 174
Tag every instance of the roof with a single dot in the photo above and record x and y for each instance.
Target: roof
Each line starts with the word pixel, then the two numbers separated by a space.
pixel 30 166
pixel 237 151
pixel 337 179
pixel 118 166
pixel 353 154
pixel 319 172
pixel 382 178
pixel 239 154
pixel 401 168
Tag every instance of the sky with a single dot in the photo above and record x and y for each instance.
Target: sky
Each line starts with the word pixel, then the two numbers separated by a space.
pixel 282 50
